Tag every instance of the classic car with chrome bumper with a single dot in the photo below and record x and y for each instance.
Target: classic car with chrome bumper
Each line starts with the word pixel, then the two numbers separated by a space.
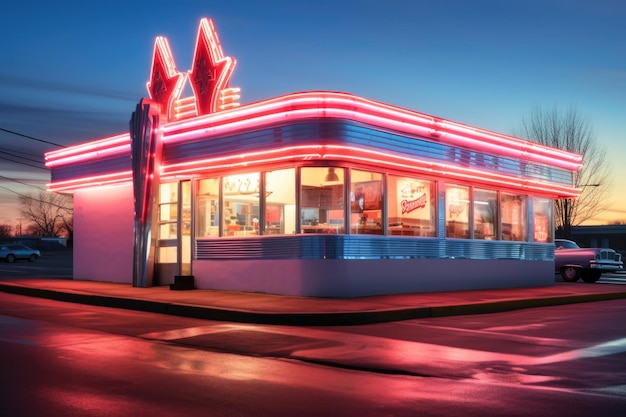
pixel 574 262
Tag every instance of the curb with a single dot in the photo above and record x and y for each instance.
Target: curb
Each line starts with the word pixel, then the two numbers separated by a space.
pixel 519 304
pixel 304 319
pixel 221 314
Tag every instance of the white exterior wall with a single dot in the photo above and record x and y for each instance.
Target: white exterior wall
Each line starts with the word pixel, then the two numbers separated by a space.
pixel 357 278
pixel 103 234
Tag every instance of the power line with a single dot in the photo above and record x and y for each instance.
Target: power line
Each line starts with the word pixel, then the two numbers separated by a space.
pixel 32 138
pixel 14 192
pixel 21 157
pixel 23 183
pixel 24 154
pixel 23 163
pixel 37 199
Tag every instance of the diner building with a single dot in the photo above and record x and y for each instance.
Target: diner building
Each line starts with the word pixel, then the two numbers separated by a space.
pixel 315 193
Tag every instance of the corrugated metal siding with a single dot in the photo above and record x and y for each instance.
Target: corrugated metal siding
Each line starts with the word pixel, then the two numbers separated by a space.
pixel 345 132
pixel 322 131
pixel 92 167
pixel 490 249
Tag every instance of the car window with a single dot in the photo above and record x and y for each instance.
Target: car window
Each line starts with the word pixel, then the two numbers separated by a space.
pixel 565 244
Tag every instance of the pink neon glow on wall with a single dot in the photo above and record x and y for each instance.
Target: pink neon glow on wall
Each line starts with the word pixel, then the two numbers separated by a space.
pixel 118 144
pixel 117 178
pixel 372 157
pixel 342 105
pixel 332 152
pixel 307 105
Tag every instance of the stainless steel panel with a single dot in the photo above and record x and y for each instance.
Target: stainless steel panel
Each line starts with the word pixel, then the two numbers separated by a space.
pixel 367 247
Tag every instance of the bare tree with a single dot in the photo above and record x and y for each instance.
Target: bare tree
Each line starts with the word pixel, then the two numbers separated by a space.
pixel 5 232
pixel 51 214
pixel 571 131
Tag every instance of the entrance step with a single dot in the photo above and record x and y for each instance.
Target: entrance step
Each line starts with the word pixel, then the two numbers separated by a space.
pixel 183 282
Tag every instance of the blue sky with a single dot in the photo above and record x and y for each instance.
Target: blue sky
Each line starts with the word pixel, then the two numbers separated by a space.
pixel 73 71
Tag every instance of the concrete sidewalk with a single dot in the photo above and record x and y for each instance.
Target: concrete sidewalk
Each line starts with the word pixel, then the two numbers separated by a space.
pixel 289 310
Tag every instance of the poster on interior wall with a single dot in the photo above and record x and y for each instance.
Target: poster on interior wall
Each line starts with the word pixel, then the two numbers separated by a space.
pixel 414 198
pixel 457 202
pixel 541 228
pixel 367 195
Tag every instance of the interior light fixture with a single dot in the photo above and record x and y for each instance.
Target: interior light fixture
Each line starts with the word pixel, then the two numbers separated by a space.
pixel 331 176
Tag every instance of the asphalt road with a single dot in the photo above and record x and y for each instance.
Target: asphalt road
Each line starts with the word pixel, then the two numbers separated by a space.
pixel 52 264
pixel 64 359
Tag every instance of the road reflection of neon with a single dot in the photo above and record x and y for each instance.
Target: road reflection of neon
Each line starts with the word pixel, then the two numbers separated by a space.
pixel 400 352
pixel 603 349
pixel 81 401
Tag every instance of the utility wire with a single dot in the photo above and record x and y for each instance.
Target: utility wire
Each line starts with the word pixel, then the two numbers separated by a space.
pixel 14 192
pixel 23 163
pixel 71 209
pixel 21 157
pixel 21 182
pixel 33 166
pixel 24 154
pixel 32 138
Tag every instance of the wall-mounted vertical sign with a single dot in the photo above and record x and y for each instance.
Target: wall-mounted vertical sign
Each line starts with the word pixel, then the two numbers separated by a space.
pixel 146 149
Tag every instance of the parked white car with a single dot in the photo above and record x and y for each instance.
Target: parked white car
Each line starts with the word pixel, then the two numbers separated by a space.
pixel 12 252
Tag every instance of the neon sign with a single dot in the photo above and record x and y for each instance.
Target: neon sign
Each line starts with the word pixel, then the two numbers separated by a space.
pixel 166 82
pixel 211 70
pixel 209 77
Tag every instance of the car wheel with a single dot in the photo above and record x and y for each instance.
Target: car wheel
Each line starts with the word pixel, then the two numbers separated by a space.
pixel 32 258
pixel 591 276
pixel 10 258
pixel 570 274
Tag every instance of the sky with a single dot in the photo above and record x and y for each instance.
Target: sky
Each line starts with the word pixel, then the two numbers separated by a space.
pixel 73 70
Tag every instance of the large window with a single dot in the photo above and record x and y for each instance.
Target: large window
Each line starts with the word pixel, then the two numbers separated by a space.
pixel 280 202
pixel 266 203
pixel 457 211
pixel 513 213
pixel 240 204
pixel 411 206
pixel 322 208
pixel 168 210
pixel 168 223
pixel 485 214
pixel 542 220
pixel 208 208
pixel 366 202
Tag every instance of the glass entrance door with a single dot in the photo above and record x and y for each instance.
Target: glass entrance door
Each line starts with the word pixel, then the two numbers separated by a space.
pixel 174 232
pixel 184 248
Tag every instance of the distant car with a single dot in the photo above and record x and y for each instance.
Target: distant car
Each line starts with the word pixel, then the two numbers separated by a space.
pixel 574 262
pixel 15 251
